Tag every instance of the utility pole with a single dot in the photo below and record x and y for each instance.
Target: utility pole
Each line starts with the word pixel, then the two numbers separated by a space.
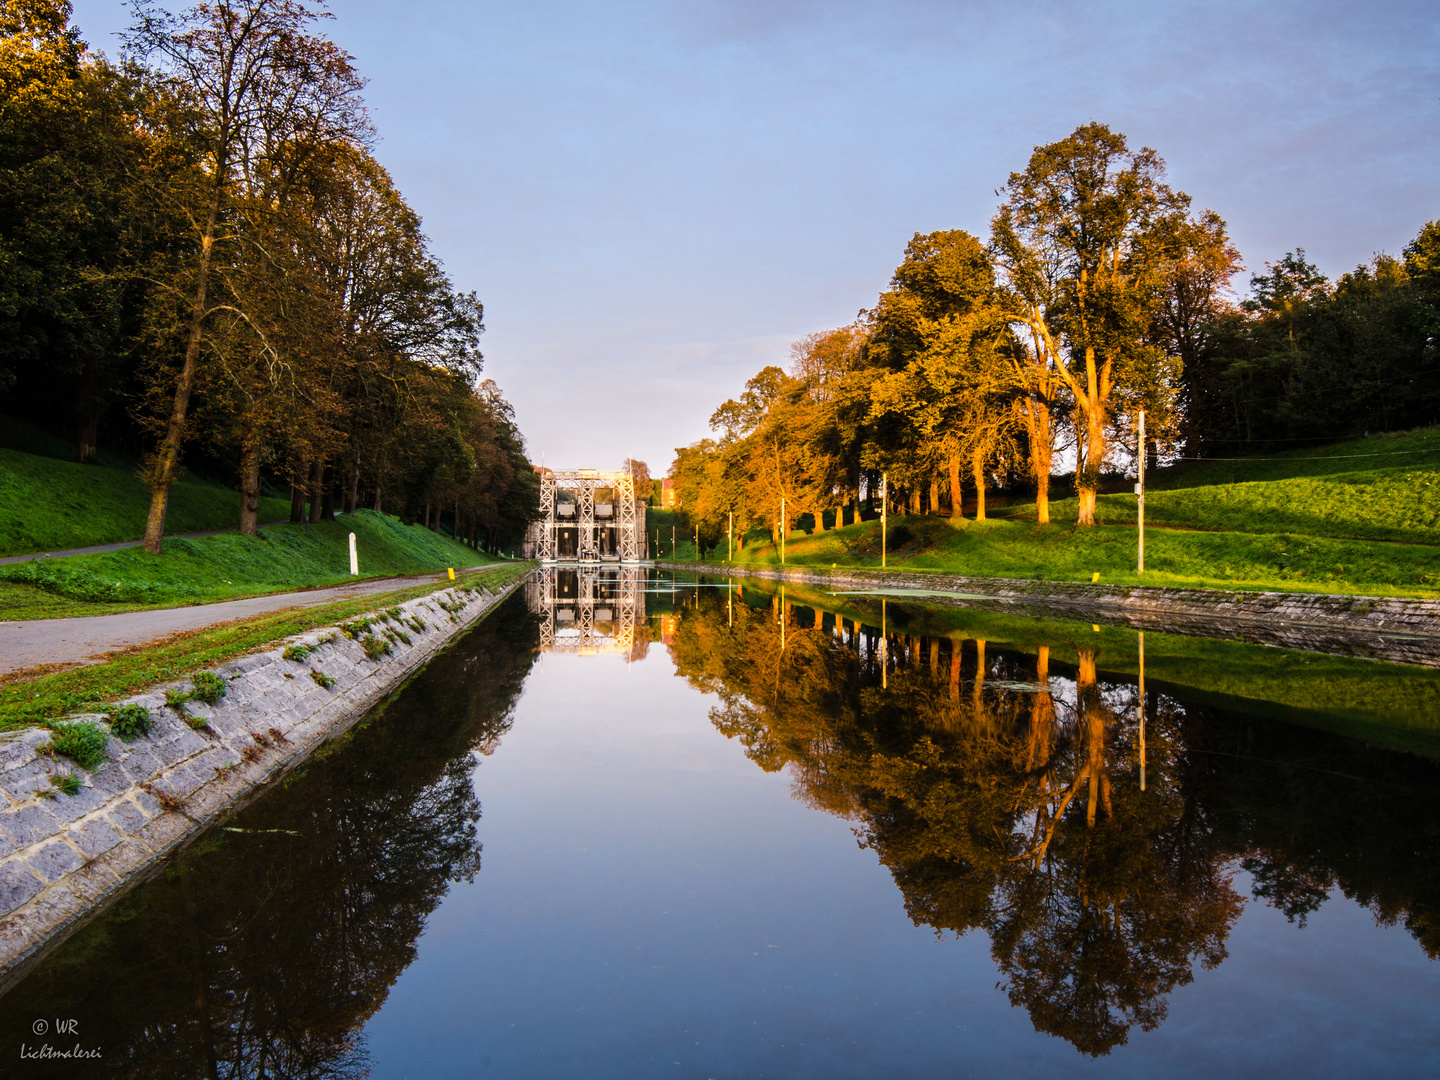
pixel 884 506
pixel 1140 497
pixel 730 535
pixel 672 541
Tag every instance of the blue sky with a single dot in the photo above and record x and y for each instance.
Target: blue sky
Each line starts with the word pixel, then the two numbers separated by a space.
pixel 654 199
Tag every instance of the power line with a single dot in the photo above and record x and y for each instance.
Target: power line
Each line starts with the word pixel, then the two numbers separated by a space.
pixel 1317 457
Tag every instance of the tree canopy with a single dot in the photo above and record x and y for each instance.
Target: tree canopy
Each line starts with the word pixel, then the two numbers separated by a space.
pixel 200 258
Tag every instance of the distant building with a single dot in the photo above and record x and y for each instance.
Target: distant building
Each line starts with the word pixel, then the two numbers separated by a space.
pixel 669 499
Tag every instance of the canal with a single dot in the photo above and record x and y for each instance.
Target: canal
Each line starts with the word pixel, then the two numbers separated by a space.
pixel 641 826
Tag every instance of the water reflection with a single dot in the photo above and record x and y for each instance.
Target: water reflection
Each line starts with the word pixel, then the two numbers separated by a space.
pixel 590 610
pixel 263 950
pixel 996 768
pixel 1003 790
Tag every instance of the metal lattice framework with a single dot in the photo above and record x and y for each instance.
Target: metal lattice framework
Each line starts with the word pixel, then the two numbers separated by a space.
pixel 586 611
pixel 625 515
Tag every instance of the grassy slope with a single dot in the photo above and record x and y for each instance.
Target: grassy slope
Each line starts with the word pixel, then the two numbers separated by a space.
pixel 91 688
pixel 1307 520
pixel 49 505
pixel 1381 488
pixel 227 566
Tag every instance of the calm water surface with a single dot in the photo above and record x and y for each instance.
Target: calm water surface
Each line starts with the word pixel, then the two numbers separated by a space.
pixel 732 833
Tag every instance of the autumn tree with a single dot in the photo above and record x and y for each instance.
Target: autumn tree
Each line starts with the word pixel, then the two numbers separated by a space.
pixel 956 389
pixel 1199 263
pixel 1076 238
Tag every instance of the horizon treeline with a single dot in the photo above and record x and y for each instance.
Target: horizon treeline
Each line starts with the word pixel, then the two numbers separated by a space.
pixel 1098 295
pixel 200 256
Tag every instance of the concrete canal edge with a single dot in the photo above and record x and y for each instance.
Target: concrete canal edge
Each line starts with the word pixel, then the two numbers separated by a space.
pixel 65 858
pixel 1397 629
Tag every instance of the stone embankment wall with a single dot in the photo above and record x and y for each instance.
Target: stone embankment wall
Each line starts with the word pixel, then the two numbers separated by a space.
pixel 64 857
pixel 1384 628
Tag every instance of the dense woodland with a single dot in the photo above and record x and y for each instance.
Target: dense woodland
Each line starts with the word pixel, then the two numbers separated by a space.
pixel 201 260
pixel 1098 295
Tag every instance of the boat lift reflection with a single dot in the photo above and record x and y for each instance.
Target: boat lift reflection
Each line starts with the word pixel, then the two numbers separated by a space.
pixel 589 611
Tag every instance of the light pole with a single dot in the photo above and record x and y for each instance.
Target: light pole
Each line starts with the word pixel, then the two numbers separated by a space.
pixel 784 528
pixel 884 506
pixel 1140 498
pixel 730 537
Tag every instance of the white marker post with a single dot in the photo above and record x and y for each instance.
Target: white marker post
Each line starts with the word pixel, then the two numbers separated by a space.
pixel 354 558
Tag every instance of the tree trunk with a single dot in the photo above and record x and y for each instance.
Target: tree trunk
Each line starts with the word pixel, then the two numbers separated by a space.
pixel 250 486
pixel 355 483
pixel 327 498
pixel 1042 452
pixel 977 473
pixel 317 474
pixel 297 497
pixel 1092 406
pixel 915 500
pixel 956 507
pixel 1088 481
pixel 934 507
pixel 167 456
pixel 86 430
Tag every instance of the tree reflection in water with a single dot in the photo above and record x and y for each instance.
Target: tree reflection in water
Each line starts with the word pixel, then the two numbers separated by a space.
pixel 1002 789
pixel 261 951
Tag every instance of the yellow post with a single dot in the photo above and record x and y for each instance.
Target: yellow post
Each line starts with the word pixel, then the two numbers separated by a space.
pixel 884 500
pixel 884 645
pixel 452 573
pixel 1142 710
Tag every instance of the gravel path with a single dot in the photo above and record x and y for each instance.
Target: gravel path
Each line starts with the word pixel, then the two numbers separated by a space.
pixel 33 642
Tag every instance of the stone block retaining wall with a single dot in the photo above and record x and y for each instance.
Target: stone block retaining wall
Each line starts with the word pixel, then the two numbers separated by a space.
pixel 64 857
pixel 1396 629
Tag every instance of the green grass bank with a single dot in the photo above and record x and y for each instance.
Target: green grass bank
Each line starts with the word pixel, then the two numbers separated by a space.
pixel 50 505
pixel 226 567
pixel 43 700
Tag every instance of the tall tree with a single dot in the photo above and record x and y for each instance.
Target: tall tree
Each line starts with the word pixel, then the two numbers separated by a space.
pixel 1200 262
pixel 956 389
pixel 69 231
pixel 249 81
pixel 1076 236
